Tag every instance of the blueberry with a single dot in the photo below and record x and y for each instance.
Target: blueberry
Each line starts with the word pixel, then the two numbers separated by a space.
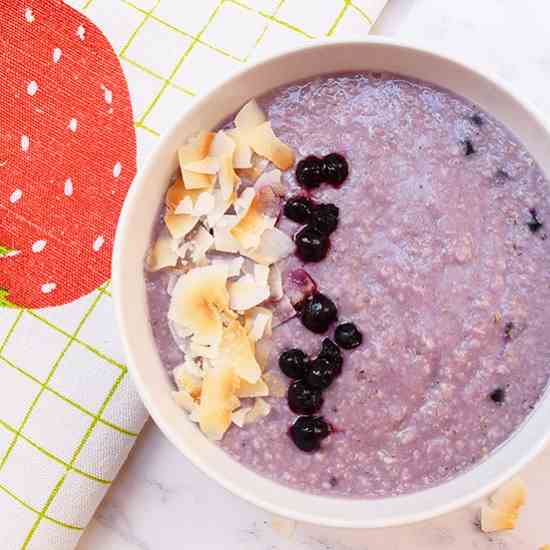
pixel 498 395
pixel 308 431
pixel 322 372
pixel 302 399
pixel 335 168
pixel 468 148
pixel 298 209
pixel 325 218
pixel 318 313
pixel 330 350
pixel 311 244
pixel 534 224
pixel 348 336
pixel 309 172
pixel 293 363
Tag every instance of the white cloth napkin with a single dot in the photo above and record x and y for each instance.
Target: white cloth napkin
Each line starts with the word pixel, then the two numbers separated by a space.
pixel 62 443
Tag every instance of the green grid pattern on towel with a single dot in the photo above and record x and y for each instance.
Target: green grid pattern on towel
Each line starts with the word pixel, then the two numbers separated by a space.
pixel 273 18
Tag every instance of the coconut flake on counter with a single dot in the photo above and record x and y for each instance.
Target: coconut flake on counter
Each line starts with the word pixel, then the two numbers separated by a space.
pixel 501 513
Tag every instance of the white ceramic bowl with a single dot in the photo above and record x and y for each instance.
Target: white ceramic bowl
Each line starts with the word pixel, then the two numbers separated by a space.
pixel 139 214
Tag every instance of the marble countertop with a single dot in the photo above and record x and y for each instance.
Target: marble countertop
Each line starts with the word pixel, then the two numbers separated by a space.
pixel 160 501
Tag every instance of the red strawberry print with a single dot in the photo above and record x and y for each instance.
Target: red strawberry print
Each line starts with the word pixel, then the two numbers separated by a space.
pixel 67 152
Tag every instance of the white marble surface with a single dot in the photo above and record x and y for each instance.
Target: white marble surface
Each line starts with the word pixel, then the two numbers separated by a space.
pixel 160 501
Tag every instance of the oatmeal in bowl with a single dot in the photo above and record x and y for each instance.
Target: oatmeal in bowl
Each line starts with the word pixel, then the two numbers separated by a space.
pixel 345 284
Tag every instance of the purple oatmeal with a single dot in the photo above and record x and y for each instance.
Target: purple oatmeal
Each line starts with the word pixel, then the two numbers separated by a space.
pixel 440 258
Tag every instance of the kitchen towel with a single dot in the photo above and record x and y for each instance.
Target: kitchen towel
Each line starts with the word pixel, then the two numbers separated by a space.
pixel 87 86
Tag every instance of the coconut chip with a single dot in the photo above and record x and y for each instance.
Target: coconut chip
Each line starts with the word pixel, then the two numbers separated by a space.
pixel 198 300
pixel 252 222
pixel 275 282
pixel 274 246
pixel 184 380
pixel 250 116
pixel 184 400
pixel 201 244
pixel 259 164
pixel 245 293
pixel 196 150
pixel 161 254
pixel 258 323
pixel 258 389
pixel 217 398
pixel 501 513
pixel 234 264
pixel 265 143
pixel 237 351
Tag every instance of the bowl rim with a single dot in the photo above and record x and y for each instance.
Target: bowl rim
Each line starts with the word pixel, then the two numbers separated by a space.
pixel 250 494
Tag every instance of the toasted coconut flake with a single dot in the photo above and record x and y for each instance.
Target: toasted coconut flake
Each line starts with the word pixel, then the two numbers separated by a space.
pixel 199 350
pixel 250 116
pixel 264 142
pixel 239 417
pixel 218 391
pixel 252 220
pixel 274 246
pixel 260 409
pixel 259 164
pixel 222 146
pixel 177 193
pixel 184 380
pixel 201 244
pixel 179 225
pixel 259 389
pixel 258 323
pixel 196 150
pixel 207 165
pixel 237 352
pixel 242 157
pixel 245 293
pixel 184 400
pixel 271 180
pixel 502 511
pixel 229 180
pixel 261 274
pixel 234 264
pixel 198 301
pixel 277 387
pixel 200 204
pixel 161 254
pixel 275 282
pixel 223 239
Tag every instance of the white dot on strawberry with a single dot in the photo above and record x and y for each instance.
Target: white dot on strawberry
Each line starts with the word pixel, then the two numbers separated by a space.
pixel 107 94
pixel 73 123
pixel 16 196
pixel 98 243
pixel 117 169
pixel 38 246
pixel 81 32
pixel 32 87
pixel 68 189
pixel 29 15
pixel 56 55
pixel 25 142
pixel 46 288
